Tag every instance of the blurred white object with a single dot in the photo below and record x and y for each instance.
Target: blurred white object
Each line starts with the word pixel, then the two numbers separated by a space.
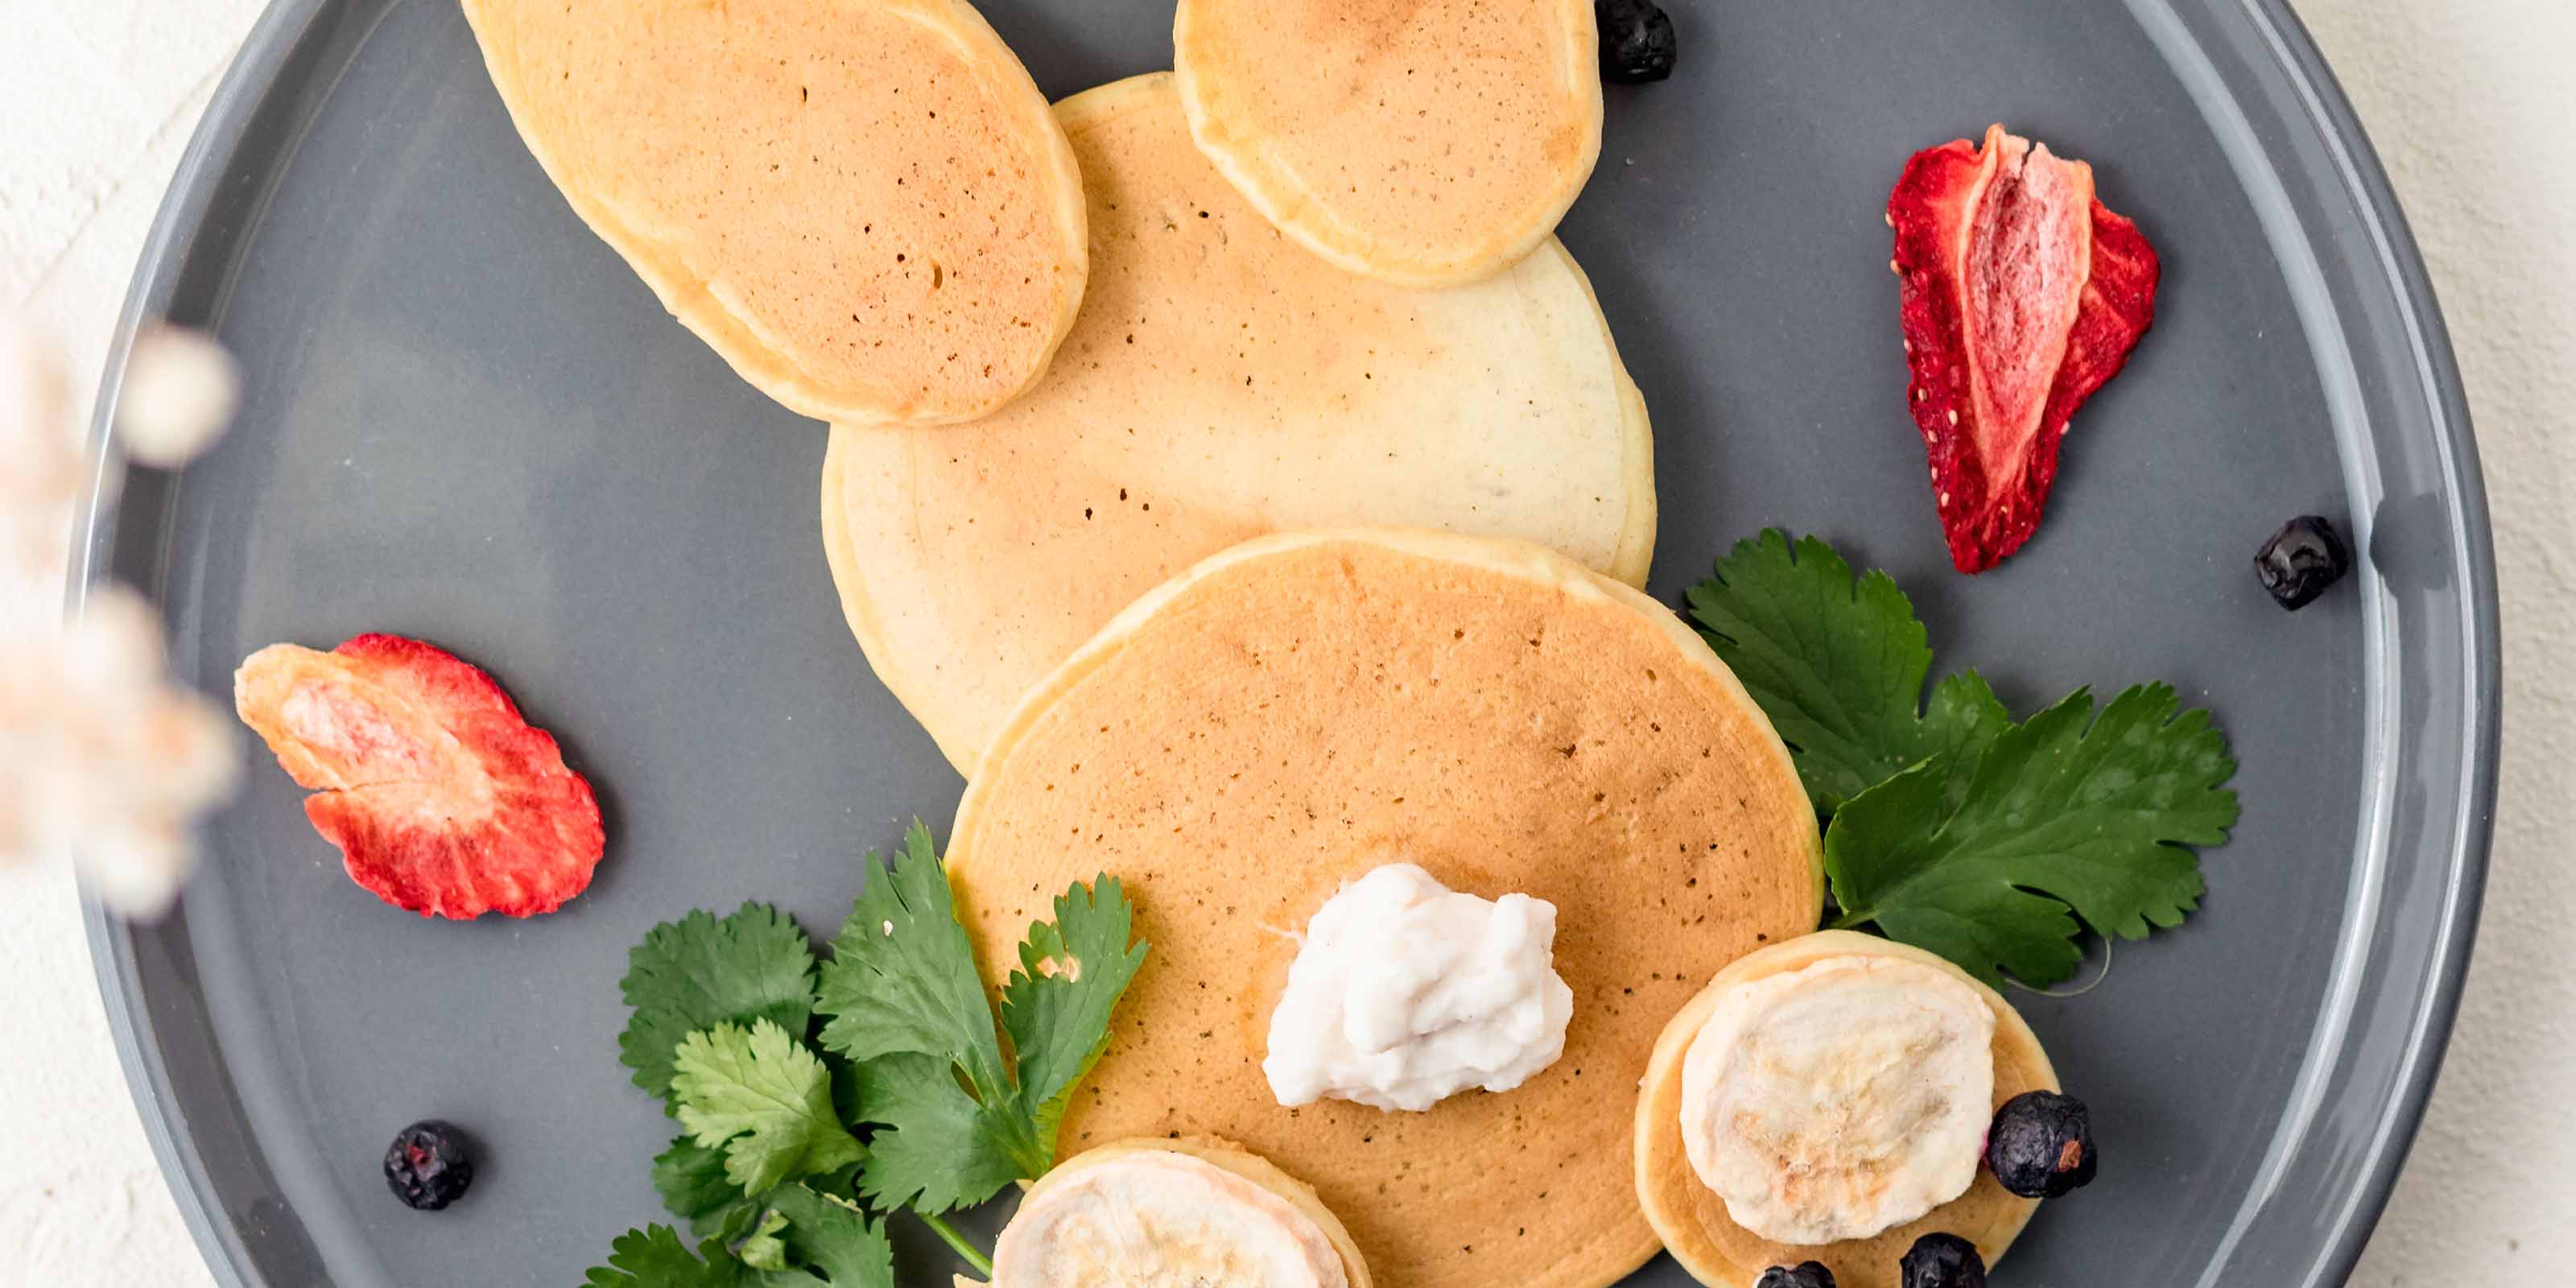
pixel 102 758
pixel 180 390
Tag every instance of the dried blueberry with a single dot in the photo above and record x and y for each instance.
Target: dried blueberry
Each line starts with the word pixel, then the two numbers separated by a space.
pixel 1805 1274
pixel 428 1165
pixel 2301 560
pixel 2041 1145
pixel 1636 40
pixel 1941 1261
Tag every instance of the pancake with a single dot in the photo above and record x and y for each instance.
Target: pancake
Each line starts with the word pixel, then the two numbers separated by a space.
pixel 1692 1219
pixel 1221 384
pixel 1301 708
pixel 867 209
pixel 1299 1196
pixel 1428 142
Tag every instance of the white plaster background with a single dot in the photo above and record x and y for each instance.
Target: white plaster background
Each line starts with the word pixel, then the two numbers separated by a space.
pixel 2473 106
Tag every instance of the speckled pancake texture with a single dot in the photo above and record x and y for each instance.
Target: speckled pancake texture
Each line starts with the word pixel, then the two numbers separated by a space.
pixel 866 208
pixel 1692 1219
pixel 1221 384
pixel 1419 141
pixel 1302 708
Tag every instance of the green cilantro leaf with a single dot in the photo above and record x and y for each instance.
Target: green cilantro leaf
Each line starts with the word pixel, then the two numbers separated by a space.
pixel 760 1247
pixel 938 1148
pixel 831 1237
pixel 654 1257
pixel 691 1179
pixel 701 971
pixel 765 1099
pixel 903 1000
pixel 903 977
pixel 1056 1006
pixel 2068 813
pixel 1838 664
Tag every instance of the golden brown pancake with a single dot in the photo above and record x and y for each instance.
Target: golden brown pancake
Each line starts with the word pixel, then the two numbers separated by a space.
pixel 1426 142
pixel 1692 1219
pixel 1303 707
pixel 867 209
pixel 1221 384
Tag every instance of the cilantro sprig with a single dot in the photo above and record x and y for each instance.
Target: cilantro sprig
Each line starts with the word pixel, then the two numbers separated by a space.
pixel 903 999
pixel 1952 828
pixel 777 1070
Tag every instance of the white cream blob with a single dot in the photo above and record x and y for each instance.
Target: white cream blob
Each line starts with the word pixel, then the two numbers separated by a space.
pixel 1840 1100
pixel 1406 992
pixel 1161 1219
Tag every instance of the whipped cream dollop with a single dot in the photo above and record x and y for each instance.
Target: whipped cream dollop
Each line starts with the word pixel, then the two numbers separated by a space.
pixel 1406 992
pixel 1841 1099
pixel 1161 1219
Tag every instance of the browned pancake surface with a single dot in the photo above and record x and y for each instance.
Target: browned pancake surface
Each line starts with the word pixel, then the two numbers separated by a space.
pixel 1301 708
pixel 868 209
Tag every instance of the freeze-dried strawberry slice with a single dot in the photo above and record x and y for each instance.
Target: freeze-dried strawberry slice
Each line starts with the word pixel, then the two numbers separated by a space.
pixel 2021 294
pixel 441 797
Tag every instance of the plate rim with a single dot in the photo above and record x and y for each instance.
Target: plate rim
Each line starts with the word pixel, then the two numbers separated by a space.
pixel 281 31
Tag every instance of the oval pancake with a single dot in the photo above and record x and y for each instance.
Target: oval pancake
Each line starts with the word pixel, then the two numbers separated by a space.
pixel 1233 1158
pixel 1221 384
pixel 1426 142
pixel 1303 707
pixel 867 209
pixel 1691 1217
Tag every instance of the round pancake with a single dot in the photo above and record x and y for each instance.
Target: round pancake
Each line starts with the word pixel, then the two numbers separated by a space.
pixel 1221 384
pixel 1692 1218
pixel 1304 707
pixel 1429 142
pixel 1233 1158
pixel 867 209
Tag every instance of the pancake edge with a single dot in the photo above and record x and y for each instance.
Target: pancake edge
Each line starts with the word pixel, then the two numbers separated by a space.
pixel 1290 206
pixel 1674 1223
pixel 695 305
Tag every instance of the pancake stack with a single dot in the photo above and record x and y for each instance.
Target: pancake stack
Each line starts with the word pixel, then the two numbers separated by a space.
pixel 1232 472
pixel 1221 384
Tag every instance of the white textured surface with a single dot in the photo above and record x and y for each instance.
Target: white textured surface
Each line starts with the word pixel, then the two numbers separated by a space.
pixel 2470 102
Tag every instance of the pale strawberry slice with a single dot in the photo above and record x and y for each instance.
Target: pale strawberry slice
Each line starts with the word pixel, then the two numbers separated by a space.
pixel 2021 294
pixel 441 797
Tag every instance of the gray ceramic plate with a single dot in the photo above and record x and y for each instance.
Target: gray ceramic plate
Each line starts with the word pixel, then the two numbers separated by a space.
pixel 466 420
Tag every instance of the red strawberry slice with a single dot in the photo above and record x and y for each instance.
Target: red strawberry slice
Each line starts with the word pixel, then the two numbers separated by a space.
pixel 2021 294
pixel 440 796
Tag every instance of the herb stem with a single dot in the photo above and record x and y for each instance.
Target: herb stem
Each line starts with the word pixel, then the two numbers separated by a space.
pixel 957 1243
pixel 1853 920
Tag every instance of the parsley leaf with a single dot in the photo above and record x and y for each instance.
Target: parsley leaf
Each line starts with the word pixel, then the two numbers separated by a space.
pixel 760 1247
pixel 903 978
pixel 832 1237
pixel 765 1099
pixel 701 971
pixel 654 1257
pixel 1981 858
pixel 1056 1006
pixel 1838 664
pixel 902 998
pixel 940 1148
pixel 691 1179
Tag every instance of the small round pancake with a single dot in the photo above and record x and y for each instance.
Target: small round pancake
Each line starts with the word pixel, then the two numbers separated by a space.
pixel 867 209
pixel 1221 384
pixel 1425 143
pixel 1232 1158
pixel 1692 1218
pixel 1299 709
